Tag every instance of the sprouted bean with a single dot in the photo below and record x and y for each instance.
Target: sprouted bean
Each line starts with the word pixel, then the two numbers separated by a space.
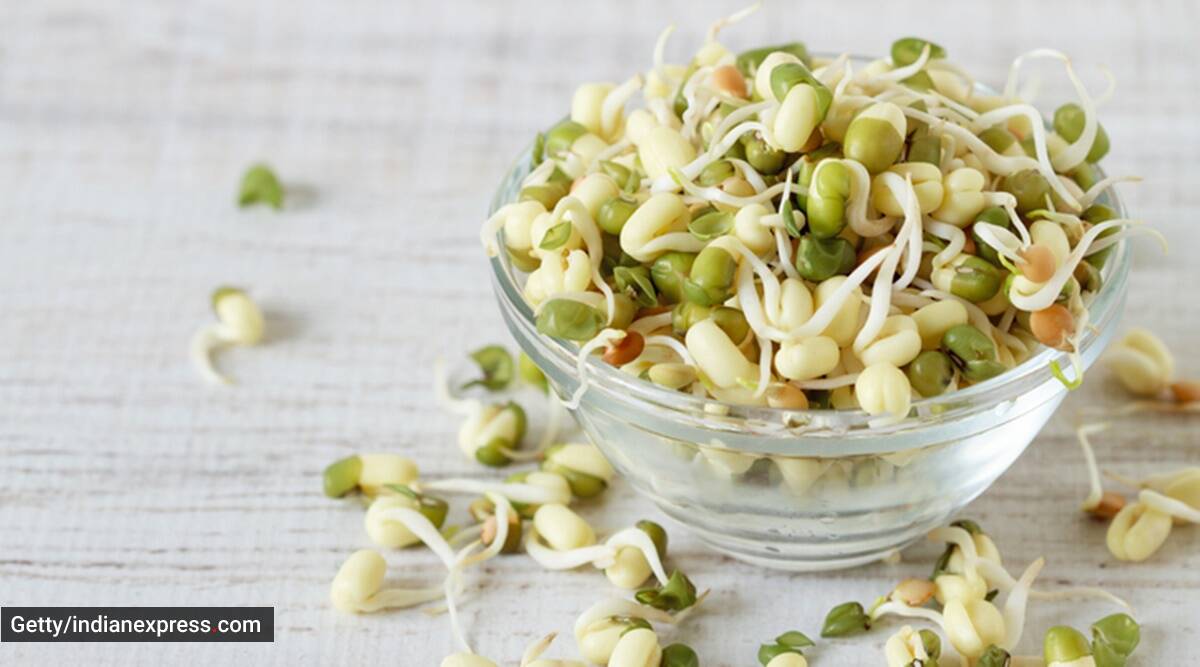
pixel 846 217
pixel 239 322
pixel 496 364
pixel 260 185
pixel 367 473
pixel 786 651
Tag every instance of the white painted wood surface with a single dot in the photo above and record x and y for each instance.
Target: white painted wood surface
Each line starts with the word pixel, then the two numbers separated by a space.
pixel 124 128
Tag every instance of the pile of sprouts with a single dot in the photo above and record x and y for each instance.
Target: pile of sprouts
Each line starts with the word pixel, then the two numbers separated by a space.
pixel 969 611
pixel 774 228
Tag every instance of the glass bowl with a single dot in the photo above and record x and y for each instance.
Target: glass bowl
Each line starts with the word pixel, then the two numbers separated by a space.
pixel 815 489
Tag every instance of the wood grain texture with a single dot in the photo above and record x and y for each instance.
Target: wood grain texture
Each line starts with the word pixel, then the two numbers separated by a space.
pixel 123 131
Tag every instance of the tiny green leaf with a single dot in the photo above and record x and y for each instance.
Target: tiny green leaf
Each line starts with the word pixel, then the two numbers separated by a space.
pixel 677 594
pixel 711 225
pixel 794 639
pixel 557 236
pixel 846 619
pixel 768 652
pixel 635 281
pixel 497 366
pixel 260 185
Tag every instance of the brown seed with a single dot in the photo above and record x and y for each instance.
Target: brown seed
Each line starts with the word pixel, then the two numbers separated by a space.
pixel 1052 325
pixel 787 396
pixel 814 141
pixel 914 592
pixel 1110 503
pixel 969 246
pixel 1186 391
pixel 512 541
pixel 480 509
pixel 626 350
pixel 728 79
pixel 1039 263
pixel 865 253
pixel 737 186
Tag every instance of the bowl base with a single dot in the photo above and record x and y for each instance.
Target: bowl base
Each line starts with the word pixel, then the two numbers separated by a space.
pixel 797 557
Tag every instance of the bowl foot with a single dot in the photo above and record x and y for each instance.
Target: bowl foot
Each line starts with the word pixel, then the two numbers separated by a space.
pixel 801 555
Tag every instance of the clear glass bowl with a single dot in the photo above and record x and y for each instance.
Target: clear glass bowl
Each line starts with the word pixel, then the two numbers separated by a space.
pixel 810 490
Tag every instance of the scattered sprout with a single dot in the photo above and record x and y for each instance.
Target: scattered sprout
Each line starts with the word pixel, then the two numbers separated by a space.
pixel 239 322
pixel 789 642
pixel 845 619
pixel 496 364
pixel 676 595
pixel 260 185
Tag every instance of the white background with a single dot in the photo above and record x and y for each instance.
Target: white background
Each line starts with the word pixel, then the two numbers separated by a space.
pixel 126 481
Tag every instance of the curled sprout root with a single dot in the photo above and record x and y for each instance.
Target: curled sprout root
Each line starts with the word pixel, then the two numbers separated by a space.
pixel 239 322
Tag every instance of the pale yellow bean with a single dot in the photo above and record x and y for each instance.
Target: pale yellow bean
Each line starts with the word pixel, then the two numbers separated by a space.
pixel 487 424
pixel 638 125
pixel 788 660
pixel 808 358
pixel 973 625
pixel 562 528
pixel 597 640
pixel 587 103
pixel 636 648
pixel 359 577
pixel 629 569
pixel 1142 363
pixel 795 304
pixel 587 147
pixel 594 190
pixel 796 118
pixel 239 315
pixel 927 184
pixel 519 222
pixel 662 149
pixel 799 474
pixel 1137 532
pixel 904 648
pixel 583 457
pixel 934 320
pixel 962 198
pixel 844 326
pixel 717 356
pixel 748 228
pixel 897 344
pixel 559 272
pixel 883 388
pixel 663 213
pixel 380 469
pixel 962 586
pixel 385 532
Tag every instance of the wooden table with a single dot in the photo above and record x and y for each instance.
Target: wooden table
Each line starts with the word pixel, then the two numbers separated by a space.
pixel 127 481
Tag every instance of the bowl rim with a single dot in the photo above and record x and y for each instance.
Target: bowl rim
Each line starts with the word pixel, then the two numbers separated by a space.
pixel 1104 308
